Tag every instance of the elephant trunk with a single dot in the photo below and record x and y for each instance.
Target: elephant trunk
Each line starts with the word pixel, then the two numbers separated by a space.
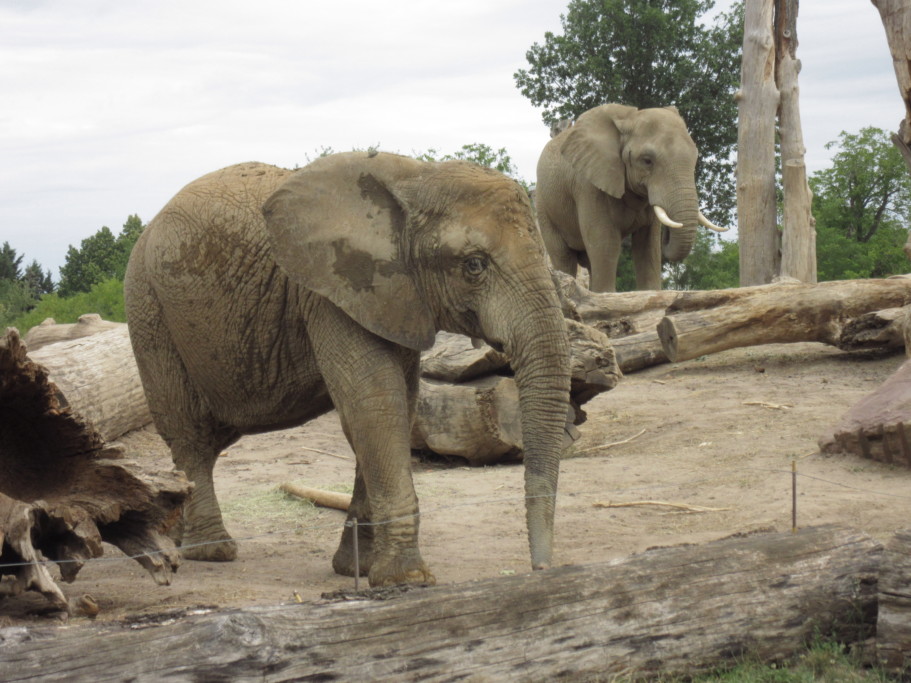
pixel 681 207
pixel 539 353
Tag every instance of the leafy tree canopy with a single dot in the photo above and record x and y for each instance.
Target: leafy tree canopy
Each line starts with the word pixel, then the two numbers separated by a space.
pixel 10 263
pixel 99 257
pixel 714 263
pixel 862 206
pixel 481 154
pixel 649 53
pixel 37 279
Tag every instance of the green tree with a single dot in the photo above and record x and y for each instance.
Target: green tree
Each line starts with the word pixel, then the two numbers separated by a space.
pixel 10 263
pixel 37 279
pixel 714 263
pixel 15 299
pixel 99 257
pixel 481 154
pixel 649 53
pixel 862 206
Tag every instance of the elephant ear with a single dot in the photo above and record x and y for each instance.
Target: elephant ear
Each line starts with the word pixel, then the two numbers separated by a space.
pixel 337 228
pixel 594 147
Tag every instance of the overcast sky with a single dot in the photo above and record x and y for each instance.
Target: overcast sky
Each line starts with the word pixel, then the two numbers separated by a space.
pixel 107 108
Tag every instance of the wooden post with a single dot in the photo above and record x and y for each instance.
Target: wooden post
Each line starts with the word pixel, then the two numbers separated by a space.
pixel 758 103
pixel 896 17
pixel 798 238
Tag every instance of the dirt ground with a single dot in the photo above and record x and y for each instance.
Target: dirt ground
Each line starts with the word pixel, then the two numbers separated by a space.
pixel 720 432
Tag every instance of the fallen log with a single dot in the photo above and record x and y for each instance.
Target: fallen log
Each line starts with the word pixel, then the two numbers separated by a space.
pixel 98 376
pixel 49 332
pixel 65 490
pixel 893 623
pixel 779 313
pixel 876 330
pixel 465 411
pixel 678 610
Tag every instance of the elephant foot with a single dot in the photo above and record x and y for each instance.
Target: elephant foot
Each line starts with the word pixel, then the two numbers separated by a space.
pixel 343 562
pixel 203 550
pixel 400 569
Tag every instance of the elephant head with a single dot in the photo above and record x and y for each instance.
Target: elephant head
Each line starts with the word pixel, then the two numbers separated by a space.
pixel 649 153
pixel 407 248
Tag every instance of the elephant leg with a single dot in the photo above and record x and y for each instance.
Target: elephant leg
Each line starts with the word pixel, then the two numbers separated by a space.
pixel 204 535
pixel 343 562
pixel 646 244
pixel 604 255
pixel 194 437
pixel 562 257
pixel 372 383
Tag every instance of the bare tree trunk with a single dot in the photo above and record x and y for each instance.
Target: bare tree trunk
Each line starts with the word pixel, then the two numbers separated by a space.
pixel 798 239
pixel 758 102
pixel 896 18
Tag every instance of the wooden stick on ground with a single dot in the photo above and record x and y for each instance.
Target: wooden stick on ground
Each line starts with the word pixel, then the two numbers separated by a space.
pixel 326 499
pixel 613 443
pixel 660 503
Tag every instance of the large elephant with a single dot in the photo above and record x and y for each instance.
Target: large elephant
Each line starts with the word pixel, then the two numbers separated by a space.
pixel 259 298
pixel 619 171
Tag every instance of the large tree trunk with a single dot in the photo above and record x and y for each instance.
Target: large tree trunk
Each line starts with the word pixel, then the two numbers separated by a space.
pixel 680 610
pixel 798 237
pixel 64 490
pixel 758 104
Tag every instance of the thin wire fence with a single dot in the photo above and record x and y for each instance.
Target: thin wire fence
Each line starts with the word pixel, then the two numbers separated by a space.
pixel 793 473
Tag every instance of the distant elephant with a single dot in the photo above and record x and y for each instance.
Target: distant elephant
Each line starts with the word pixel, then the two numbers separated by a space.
pixel 619 171
pixel 259 298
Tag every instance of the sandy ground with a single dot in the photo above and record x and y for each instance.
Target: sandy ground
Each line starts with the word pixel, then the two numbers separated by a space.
pixel 720 432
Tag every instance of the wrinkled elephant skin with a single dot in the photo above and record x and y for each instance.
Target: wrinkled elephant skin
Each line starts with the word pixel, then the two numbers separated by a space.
pixel 601 180
pixel 260 298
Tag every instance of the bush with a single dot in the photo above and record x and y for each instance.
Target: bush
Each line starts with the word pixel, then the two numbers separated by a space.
pixel 104 298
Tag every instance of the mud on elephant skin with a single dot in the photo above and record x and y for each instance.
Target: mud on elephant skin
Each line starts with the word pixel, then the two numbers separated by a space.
pixel 259 298
pixel 619 171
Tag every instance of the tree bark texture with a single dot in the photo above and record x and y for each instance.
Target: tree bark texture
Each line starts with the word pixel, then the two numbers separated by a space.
pixel 780 313
pixel 896 18
pixel 64 490
pixel 466 409
pixel 673 610
pixel 798 238
pixel 49 332
pixel 893 623
pixel 758 104
pixel 851 315
pixel 98 376
pixel 878 427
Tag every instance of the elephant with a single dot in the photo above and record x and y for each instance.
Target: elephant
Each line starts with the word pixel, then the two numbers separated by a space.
pixel 259 298
pixel 619 171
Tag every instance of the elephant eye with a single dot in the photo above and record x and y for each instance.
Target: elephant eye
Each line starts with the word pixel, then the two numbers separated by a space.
pixel 475 265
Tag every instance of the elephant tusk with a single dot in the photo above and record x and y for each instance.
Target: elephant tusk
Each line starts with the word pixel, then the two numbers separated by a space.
pixel 708 224
pixel 665 220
